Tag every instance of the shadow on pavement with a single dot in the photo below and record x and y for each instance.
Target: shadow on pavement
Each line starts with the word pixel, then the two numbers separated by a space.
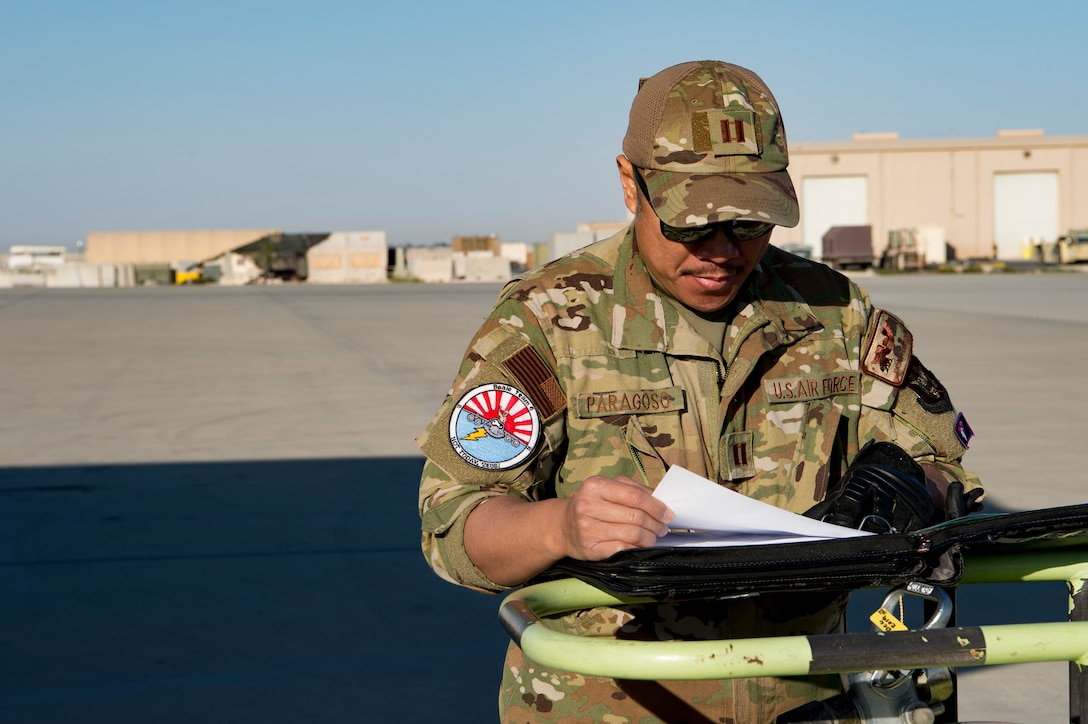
pixel 289 591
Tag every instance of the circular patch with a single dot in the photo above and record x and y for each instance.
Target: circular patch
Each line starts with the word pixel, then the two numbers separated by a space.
pixel 494 427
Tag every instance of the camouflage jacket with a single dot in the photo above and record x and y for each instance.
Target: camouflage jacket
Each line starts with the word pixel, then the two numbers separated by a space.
pixel 611 379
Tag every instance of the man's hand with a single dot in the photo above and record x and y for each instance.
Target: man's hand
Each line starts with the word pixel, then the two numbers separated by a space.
pixel 957 503
pixel 511 539
pixel 608 515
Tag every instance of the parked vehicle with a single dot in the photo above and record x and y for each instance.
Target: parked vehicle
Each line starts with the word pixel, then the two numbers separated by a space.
pixel 1073 247
pixel 846 247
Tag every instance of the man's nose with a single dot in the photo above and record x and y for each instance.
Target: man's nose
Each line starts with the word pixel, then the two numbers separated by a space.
pixel 722 245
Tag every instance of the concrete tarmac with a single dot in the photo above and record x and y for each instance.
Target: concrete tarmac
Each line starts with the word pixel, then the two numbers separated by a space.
pixel 207 495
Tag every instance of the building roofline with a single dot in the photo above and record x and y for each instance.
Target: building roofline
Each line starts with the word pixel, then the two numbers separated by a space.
pixel 889 142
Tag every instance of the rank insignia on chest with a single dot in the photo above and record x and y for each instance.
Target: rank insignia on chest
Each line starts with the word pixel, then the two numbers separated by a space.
pixel 888 349
pixel 738 455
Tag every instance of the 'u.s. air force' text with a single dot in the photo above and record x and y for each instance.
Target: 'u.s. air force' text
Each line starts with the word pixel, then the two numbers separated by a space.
pixel 812 387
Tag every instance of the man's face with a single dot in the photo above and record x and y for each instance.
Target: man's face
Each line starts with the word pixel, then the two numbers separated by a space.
pixel 706 275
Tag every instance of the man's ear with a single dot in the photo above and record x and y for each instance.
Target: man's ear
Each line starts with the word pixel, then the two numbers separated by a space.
pixel 627 181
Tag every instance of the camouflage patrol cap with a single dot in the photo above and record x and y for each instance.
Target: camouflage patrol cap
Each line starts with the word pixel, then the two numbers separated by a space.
pixel 710 141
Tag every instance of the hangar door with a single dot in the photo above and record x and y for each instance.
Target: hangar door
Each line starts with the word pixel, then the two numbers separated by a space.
pixel 1025 209
pixel 832 201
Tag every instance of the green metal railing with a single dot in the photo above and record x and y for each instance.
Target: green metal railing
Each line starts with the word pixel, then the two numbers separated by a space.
pixel 954 647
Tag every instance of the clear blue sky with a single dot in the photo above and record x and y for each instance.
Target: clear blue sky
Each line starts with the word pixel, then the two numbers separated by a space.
pixel 432 119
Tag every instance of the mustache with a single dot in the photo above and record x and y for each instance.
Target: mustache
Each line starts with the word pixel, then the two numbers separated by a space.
pixel 713 270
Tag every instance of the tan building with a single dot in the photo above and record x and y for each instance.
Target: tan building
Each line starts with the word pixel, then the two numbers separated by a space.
pixel 145 247
pixel 348 257
pixel 469 244
pixel 990 197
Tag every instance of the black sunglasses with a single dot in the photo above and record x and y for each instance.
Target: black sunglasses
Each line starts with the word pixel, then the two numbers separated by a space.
pixel 739 229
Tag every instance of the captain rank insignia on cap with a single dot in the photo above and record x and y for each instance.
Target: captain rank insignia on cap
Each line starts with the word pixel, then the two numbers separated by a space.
pixel 726 132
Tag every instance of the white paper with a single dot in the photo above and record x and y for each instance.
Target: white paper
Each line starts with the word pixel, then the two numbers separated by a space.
pixel 723 517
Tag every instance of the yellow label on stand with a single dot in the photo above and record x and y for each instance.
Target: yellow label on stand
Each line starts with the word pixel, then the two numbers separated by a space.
pixel 885 620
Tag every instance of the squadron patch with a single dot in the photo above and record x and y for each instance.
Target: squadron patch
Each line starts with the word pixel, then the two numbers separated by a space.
pixel 888 351
pixel 494 427
pixel 932 396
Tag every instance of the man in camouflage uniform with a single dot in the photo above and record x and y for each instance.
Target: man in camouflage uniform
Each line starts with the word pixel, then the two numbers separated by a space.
pixel 684 340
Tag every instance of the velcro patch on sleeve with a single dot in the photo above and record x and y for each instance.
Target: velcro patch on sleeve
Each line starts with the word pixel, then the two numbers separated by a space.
pixel 888 348
pixel 493 424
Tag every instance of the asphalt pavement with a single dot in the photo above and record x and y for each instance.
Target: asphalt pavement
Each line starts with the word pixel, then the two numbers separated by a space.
pixel 208 495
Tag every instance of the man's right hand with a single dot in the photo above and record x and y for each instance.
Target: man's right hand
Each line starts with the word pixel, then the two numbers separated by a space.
pixel 511 539
pixel 608 515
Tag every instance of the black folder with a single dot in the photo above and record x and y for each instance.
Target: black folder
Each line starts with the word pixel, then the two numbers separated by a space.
pixel 932 555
